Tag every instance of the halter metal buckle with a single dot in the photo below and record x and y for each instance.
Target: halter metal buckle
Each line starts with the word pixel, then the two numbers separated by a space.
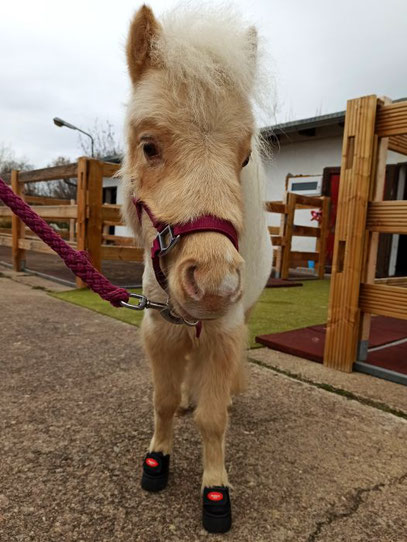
pixel 167 240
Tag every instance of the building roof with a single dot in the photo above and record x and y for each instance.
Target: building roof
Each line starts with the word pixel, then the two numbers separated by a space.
pixel 304 125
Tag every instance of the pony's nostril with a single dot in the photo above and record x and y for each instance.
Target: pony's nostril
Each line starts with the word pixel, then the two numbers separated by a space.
pixel 191 285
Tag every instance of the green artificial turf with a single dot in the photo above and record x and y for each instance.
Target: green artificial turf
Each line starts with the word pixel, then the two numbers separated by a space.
pixel 278 309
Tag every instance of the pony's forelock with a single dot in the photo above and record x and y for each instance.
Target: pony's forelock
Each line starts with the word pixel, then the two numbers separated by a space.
pixel 207 47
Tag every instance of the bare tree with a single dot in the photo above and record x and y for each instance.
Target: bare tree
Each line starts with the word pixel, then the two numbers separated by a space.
pixel 106 142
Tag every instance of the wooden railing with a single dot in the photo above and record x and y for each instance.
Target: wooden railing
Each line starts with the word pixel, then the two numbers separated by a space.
pixel 87 218
pixel 372 127
pixel 281 236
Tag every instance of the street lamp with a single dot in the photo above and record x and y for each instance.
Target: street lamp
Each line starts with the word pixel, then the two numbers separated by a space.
pixel 59 122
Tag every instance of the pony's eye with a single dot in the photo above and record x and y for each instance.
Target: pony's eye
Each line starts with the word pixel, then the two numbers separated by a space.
pixel 150 150
pixel 246 161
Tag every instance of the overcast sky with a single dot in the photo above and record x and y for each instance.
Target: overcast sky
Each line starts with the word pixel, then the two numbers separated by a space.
pixel 66 59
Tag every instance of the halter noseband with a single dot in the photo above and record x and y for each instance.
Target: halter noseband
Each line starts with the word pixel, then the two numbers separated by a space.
pixel 169 235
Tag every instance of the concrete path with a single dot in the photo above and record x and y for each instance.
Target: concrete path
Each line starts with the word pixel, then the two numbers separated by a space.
pixel 306 464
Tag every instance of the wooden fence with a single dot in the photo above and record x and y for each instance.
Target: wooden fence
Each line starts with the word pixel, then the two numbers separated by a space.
pixel 281 236
pixel 372 127
pixel 87 217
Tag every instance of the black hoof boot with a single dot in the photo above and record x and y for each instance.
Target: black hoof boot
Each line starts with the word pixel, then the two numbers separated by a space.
pixel 217 512
pixel 155 471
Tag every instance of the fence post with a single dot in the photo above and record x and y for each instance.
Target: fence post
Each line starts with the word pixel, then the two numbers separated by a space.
pixel 72 225
pixel 89 218
pixel 95 196
pixel 17 226
pixel 288 233
pixel 350 235
pixel 321 240
pixel 81 190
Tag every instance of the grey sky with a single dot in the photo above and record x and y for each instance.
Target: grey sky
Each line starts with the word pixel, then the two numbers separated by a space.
pixel 66 59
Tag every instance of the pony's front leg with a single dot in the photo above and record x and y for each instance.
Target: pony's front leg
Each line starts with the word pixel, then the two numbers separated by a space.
pixel 167 359
pixel 219 366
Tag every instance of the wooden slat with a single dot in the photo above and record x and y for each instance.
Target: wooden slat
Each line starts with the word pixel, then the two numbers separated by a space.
pixel 5 212
pixel 297 256
pixel 43 200
pixel 354 190
pixel 109 169
pixel 306 231
pixel 127 254
pixel 384 300
pixel 275 207
pixel 94 201
pixel 6 240
pixel 288 233
pixel 372 244
pixel 398 143
pixel 309 201
pixel 36 245
pixel 81 197
pixel 277 241
pixel 119 239
pixel 111 214
pixel 392 281
pixel 17 225
pixel 391 119
pixel 59 212
pixel 49 174
pixel 387 216
pixel 274 230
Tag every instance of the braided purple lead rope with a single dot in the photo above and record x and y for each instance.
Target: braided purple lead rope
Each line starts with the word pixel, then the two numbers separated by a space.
pixel 77 261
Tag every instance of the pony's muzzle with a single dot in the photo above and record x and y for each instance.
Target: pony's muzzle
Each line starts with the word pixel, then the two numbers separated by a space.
pixel 209 289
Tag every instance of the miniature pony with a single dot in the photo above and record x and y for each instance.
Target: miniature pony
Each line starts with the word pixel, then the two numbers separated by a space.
pixel 192 152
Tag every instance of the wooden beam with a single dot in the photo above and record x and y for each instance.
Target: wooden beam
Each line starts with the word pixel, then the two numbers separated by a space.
pixel 110 169
pixel 275 207
pixel 111 214
pixel 323 236
pixel 309 201
pixel 277 241
pixel 94 203
pixel 288 234
pixel 372 240
pixel 124 253
pixel 56 212
pixel 387 216
pixel 274 230
pixel 6 240
pixel 384 300
pixel 306 231
pixel 81 197
pixel 17 225
pixel 296 257
pixel 5 212
pixel 49 174
pixel 398 144
pixel 37 245
pixel 119 239
pixel 391 119
pixel 43 200
pixel 355 186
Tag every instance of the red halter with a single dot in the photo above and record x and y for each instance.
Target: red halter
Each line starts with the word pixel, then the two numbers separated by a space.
pixel 169 235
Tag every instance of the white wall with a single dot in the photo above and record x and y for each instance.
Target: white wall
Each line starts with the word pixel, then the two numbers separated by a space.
pixel 306 158
pixel 108 182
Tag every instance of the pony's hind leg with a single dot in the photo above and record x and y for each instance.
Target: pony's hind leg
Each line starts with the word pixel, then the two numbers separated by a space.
pixel 168 365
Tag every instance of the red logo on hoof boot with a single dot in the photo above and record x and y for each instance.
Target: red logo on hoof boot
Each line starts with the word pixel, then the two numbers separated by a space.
pixel 215 496
pixel 151 462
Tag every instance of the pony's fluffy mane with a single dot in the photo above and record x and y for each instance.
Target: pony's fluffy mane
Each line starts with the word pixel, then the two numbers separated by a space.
pixel 208 48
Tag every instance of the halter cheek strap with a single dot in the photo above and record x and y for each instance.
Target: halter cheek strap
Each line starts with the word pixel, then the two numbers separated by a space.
pixel 169 235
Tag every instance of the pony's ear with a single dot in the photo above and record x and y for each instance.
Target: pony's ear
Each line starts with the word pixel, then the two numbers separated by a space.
pixel 143 29
pixel 252 40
